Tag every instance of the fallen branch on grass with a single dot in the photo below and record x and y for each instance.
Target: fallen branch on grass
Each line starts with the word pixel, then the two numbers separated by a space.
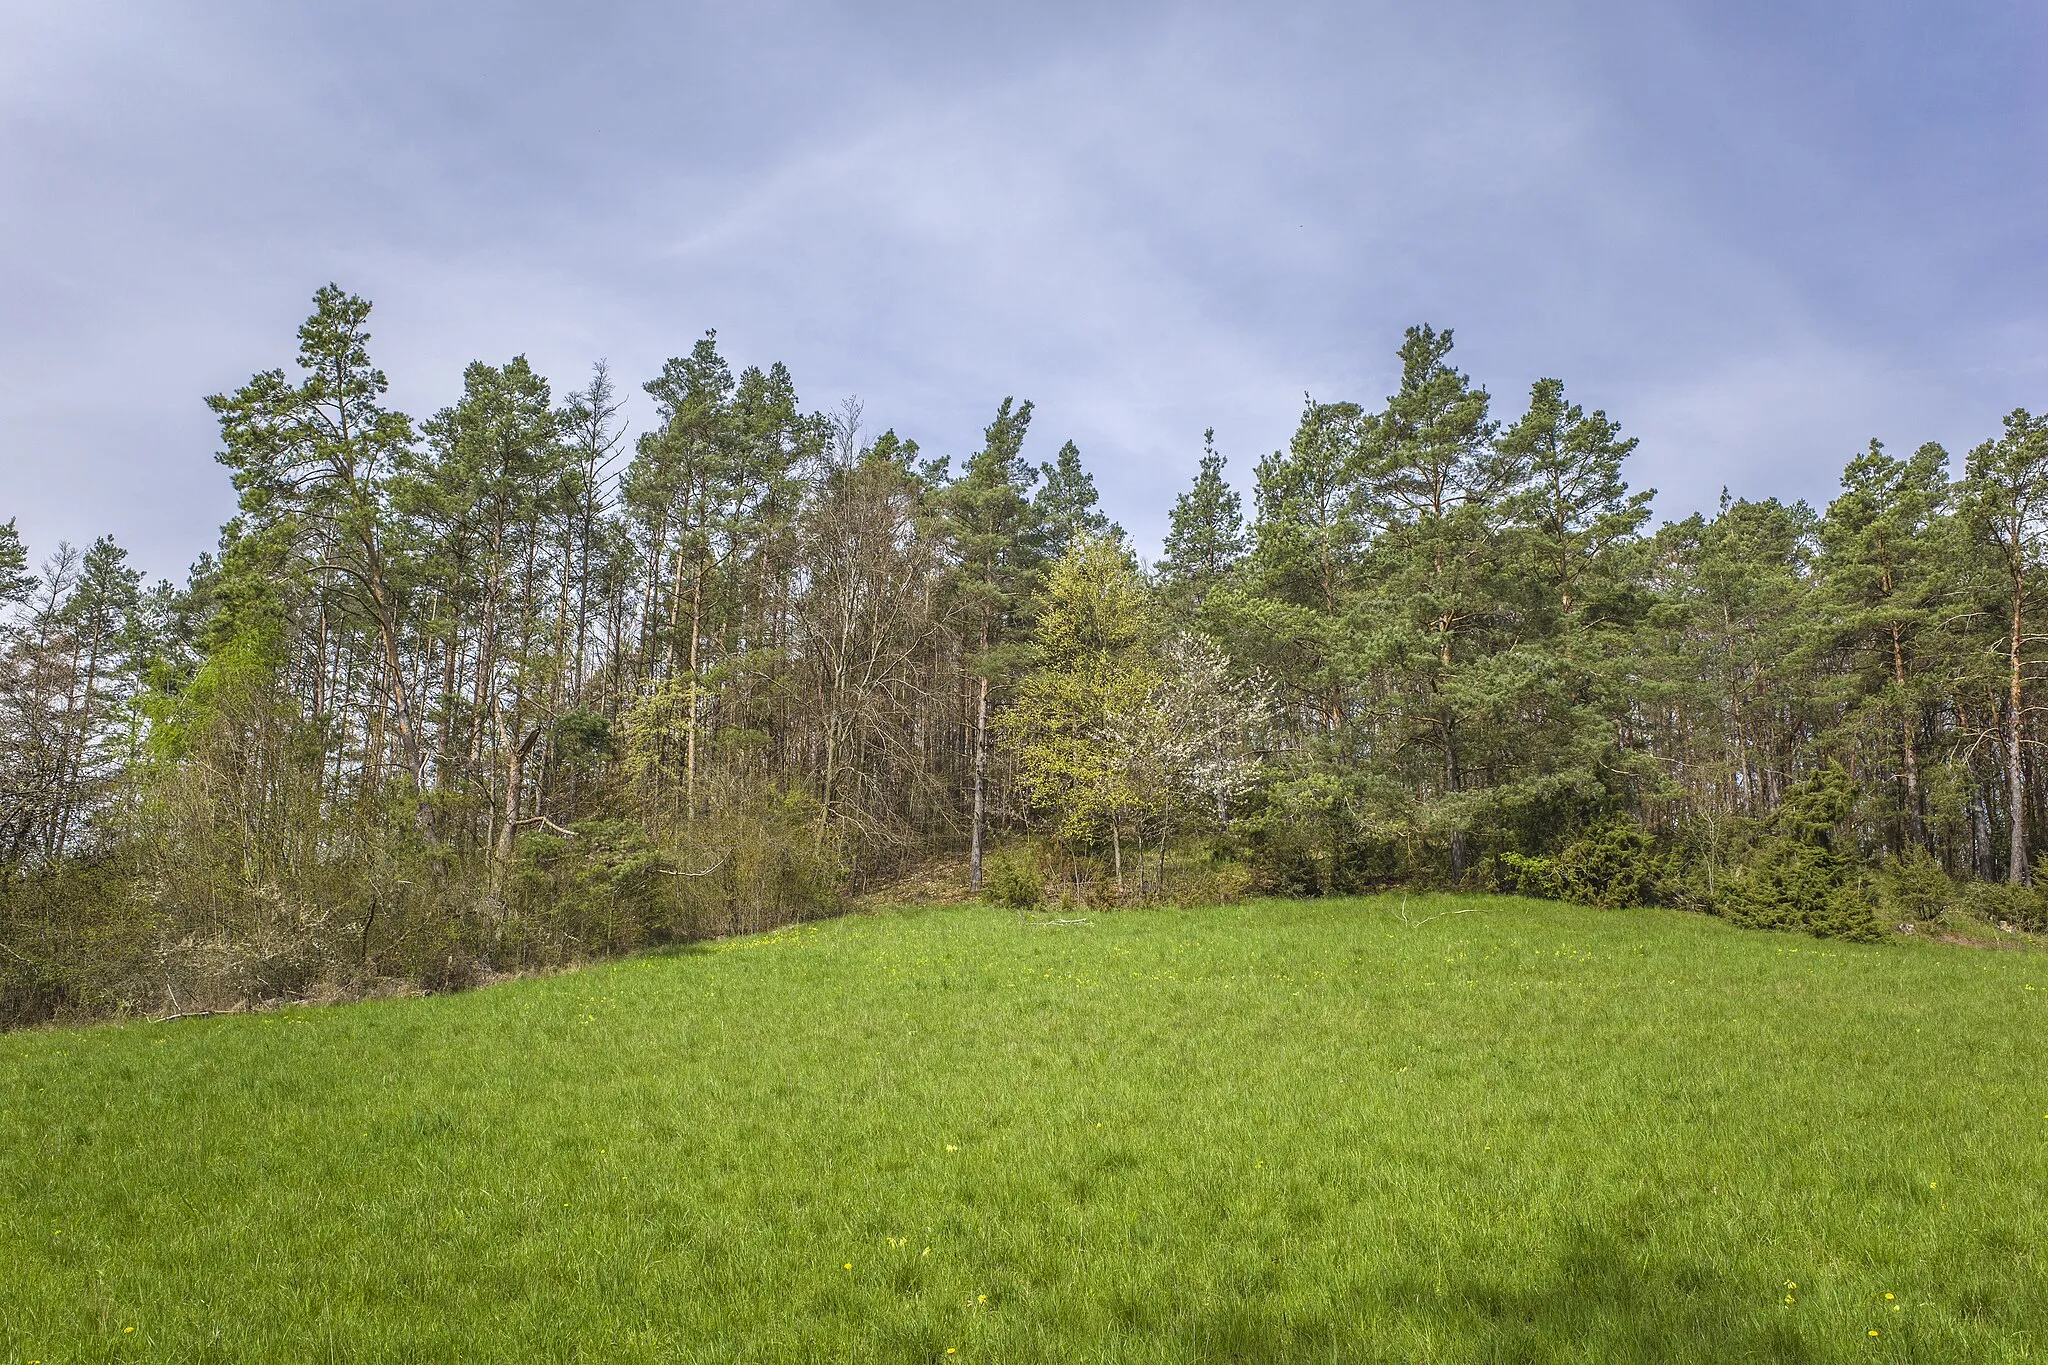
pixel 1418 923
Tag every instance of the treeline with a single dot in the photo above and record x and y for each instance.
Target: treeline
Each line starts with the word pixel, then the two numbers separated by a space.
pixel 505 688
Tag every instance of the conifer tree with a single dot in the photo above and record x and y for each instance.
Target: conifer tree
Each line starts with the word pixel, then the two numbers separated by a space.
pixel 310 461
pixel 1574 501
pixel 1066 500
pixel 2007 489
pixel 1440 490
pixel 1206 535
pixel 16 582
pixel 998 548
pixel 1883 542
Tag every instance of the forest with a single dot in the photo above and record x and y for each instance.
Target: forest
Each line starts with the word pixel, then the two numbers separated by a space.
pixel 510 686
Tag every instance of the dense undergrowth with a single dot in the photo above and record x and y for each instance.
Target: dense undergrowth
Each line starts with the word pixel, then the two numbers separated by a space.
pixel 139 932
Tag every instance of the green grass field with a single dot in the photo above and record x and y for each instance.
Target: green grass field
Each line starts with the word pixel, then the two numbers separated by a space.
pixel 1279 1131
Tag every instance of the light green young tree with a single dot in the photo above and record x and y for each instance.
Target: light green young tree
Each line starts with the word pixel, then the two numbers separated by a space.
pixel 1072 724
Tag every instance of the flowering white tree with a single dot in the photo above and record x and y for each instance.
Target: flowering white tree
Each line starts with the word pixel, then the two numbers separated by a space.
pixel 1195 744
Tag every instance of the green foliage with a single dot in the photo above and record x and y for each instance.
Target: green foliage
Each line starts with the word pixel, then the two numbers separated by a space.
pixel 1065 503
pixel 1205 538
pixel 1069 728
pixel 16 582
pixel 1613 865
pixel 770 659
pixel 1914 890
pixel 605 888
pixel 1798 876
pixel 78 943
pixel 2003 905
pixel 1013 880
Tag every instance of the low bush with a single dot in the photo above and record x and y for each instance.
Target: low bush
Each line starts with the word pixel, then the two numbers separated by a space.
pixel 1613 865
pixel 1914 889
pixel 2021 907
pixel 1798 876
pixel 1011 879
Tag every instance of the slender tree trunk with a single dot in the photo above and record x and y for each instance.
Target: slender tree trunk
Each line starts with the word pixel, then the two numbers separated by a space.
pixel 1453 780
pixel 980 787
pixel 72 779
pixel 515 785
pixel 1914 833
pixel 656 552
pixel 2017 871
pixel 385 611
pixel 690 739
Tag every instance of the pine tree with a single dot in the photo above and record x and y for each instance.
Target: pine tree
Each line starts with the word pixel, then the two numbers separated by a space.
pixel 1206 536
pixel 1574 502
pixel 16 582
pixel 1440 489
pixel 310 461
pixel 1065 502
pixel 998 547
pixel 1881 565
pixel 2007 491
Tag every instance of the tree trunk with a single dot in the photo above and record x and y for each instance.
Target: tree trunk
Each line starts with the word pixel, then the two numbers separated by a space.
pixel 980 788
pixel 1453 780
pixel 515 783
pixel 690 742
pixel 2017 870
pixel 1914 833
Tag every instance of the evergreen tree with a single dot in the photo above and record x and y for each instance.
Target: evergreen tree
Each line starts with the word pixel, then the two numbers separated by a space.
pixel 1065 502
pixel 1206 538
pixel 1575 504
pixel 310 461
pixel 998 547
pixel 2007 491
pixel 1440 490
pixel 1883 547
pixel 16 582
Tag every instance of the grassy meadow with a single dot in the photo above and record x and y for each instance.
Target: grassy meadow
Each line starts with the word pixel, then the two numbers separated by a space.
pixel 1433 1130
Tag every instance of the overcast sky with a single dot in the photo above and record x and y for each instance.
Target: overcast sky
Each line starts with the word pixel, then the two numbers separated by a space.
pixel 1756 234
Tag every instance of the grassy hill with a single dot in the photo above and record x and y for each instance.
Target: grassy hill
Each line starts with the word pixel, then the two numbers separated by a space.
pixel 1348 1131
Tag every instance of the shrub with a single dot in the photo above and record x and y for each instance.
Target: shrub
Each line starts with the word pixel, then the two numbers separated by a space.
pixel 1011 879
pixel 1612 865
pixel 1220 881
pixel 2023 907
pixel 1914 889
pixel 1797 878
pixel 606 888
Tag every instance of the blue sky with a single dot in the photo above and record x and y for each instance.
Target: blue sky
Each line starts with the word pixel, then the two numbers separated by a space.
pixel 1756 234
